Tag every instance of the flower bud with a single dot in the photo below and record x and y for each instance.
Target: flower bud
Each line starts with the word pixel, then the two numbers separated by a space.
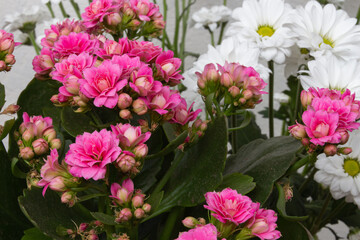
pixel 190 222
pixel 28 134
pixel 288 192
pixel 202 221
pixel 126 163
pixel 203 126
pixel 11 109
pixel 247 94
pixel 57 184
pixel 125 114
pixel 55 144
pixel 330 150
pixel 226 80
pixel 137 200
pixel 69 198
pixel 260 226
pixel 40 146
pixel 27 153
pixel 139 107
pixel 344 150
pixel 234 91
pixel 10 59
pixel 124 215
pixel 141 151
pixel 298 131
pixel 144 125
pixel 344 137
pixel 49 134
pixel 306 98
pixel 146 207
pixel 2 66
pixel 124 101
pixel 83 227
pixel 305 142
pixel 139 213
pixel 113 19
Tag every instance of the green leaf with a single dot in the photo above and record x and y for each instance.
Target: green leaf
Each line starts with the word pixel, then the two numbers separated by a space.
pixel 266 161
pixel 15 170
pixel 34 234
pixel 241 183
pixel 7 127
pixel 245 121
pixel 292 230
pixel 200 170
pixel 209 103
pixel 55 114
pixel 76 123
pixel 104 218
pixel 155 200
pixel 2 95
pixel 90 196
pixel 47 213
pixel 281 206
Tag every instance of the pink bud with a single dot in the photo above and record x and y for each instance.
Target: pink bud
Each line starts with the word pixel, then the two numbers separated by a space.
pixel 98 223
pixel 26 153
pixel 93 237
pixel 83 227
pixel 28 134
pixel 49 134
pixel 226 80
pixel 139 107
pixel 10 59
pixel 197 123
pixel 113 19
pixel 298 131
pixel 203 126
pixel 344 150
pixel 330 150
pixel 260 226
pixel 305 142
pixel 11 109
pixel 141 150
pixel 2 65
pixel 55 144
pixel 134 23
pixel 344 137
pixel 124 101
pixel 247 94
pixel 57 184
pixel 124 215
pixel 234 91
pixel 126 163
pixel 146 207
pixel 125 114
pixel 201 83
pixel 139 213
pixel 40 146
pixel 306 98
pixel 137 201
pixel 202 221
pixel 190 222
pixel 69 198
pixel 288 192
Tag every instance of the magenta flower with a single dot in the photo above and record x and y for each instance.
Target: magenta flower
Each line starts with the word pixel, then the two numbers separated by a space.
pixel 168 67
pixel 128 64
pixel 103 84
pixel 182 115
pixel 98 10
pixel 321 126
pixel 163 101
pixel 263 225
pixel 129 136
pixel 201 232
pixel 91 152
pixel 75 43
pixel 144 9
pixel 146 51
pixel 229 205
pixel 122 194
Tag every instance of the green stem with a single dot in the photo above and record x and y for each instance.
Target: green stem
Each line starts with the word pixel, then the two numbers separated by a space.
pixel 63 12
pixel 271 99
pixel 334 213
pixel 358 16
pixel 171 221
pixel 50 9
pixel 186 12
pixel 299 164
pixel 222 30
pixel 177 27
pixel 225 2
pixel 212 38
pixel 164 180
pixel 90 1
pixel 165 18
pixel 134 232
pixel 308 179
pixel 233 134
pixel 315 227
pixel 33 42
pixel 76 8
pixel 297 102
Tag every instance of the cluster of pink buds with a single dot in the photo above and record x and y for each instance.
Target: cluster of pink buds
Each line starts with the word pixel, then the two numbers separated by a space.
pixel 130 203
pixel 136 17
pixel 36 137
pixel 7 45
pixel 329 116
pixel 122 236
pixel 132 142
pixel 240 87
pixel 196 131
pixel 88 231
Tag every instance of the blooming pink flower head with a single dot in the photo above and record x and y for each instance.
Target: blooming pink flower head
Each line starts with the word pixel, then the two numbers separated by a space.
pixel 229 205
pixel 168 67
pixel 75 43
pixel 37 123
pixel 182 115
pixel 144 9
pixel 129 136
pixel 141 80
pixel 147 51
pixel 103 83
pixel 7 43
pixel 201 232
pixel 44 63
pixel 110 48
pixel 64 28
pixel 163 101
pixel 98 10
pixel 91 152
pixel 122 194
pixel 128 64
pixel 263 225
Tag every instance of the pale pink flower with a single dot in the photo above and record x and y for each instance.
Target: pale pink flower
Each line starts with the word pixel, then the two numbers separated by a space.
pixel 147 51
pixel 263 225
pixel 144 9
pixel 122 194
pixel 201 232
pixel 103 84
pixel 110 48
pixel 37 123
pixel 163 101
pixel 91 152
pixel 7 43
pixel 129 136
pixel 44 63
pixel 182 115
pixel 141 80
pixel 168 67
pixel 98 10
pixel 229 205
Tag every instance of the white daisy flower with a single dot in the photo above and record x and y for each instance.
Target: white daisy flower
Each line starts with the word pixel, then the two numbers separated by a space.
pixel 330 72
pixel 262 23
pixel 326 31
pixel 230 50
pixel 281 98
pixel 342 173
pixel 211 18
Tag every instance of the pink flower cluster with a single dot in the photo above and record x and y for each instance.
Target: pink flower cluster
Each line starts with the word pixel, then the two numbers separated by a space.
pixel 132 142
pixel 201 232
pixel 233 209
pixel 36 136
pixel 240 86
pixel 7 45
pixel 329 116
pixel 136 17
pixel 90 231
pixel 130 201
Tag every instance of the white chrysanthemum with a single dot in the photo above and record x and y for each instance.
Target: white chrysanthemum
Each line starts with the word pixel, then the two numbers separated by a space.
pixel 326 31
pixel 342 173
pixel 281 97
pixel 262 23
pixel 330 72
pixel 230 50
pixel 211 17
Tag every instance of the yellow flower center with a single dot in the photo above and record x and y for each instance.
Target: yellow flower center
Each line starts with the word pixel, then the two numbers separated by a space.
pixel 351 167
pixel 328 42
pixel 265 31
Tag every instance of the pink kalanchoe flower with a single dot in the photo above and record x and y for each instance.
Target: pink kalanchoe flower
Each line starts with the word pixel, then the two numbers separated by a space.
pixel 263 225
pixel 44 63
pixel 103 83
pixel 110 48
pixel 75 43
pixel 201 232
pixel 91 152
pixel 122 194
pixel 7 43
pixel 98 10
pixel 37 123
pixel 163 101
pixel 144 9
pixel 147 51
pixel 182 115
pixel 129 136
pixel 229 205
pixel 168 67
pixel 141 80
pixel 321 126
pixel 128 64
